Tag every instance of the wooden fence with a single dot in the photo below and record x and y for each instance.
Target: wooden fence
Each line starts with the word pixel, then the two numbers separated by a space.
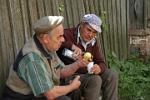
pixel 17 17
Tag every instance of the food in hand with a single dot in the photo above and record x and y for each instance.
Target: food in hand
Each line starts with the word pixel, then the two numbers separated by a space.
pixel 87 56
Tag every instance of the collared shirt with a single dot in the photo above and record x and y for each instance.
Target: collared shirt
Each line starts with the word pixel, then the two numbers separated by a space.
pixel 84 44
pixel 72 37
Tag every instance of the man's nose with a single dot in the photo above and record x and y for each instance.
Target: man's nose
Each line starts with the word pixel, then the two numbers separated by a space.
pixel 63 39
pixel 90 33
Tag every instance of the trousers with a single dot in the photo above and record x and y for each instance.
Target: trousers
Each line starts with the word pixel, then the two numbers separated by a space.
pixel 92 86
pixel 11 95
pixel 109 85
pixel 89 88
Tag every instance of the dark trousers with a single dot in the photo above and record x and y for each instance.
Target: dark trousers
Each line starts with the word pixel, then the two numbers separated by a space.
pixel 8 94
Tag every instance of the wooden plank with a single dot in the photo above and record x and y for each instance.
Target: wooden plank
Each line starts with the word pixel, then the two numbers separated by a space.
pixel 47 7
pixel 33 15
pixel 106 36
pixel 96 6
pixel 16 24
pixel 25 20
pixel 40 8
pixel 6 43
pixel 132 19
pixel 105 18
pixel 112 32
pixel 128 15
pixel 110 24
pixel 118 27
pixel 55 6
pixel 101 35
pixel 124 28
pixel 86 6
pixel 91 6
pixel 145 13
pixel 106 22
pixel 99 7
pixel 139 12
pixel 81 8
pixel 68 13
pixel 75 15
pixel 115 32
pixel 62 11
pixel 148 13
pixel 1 62
pixel 148 8
pixel 128 27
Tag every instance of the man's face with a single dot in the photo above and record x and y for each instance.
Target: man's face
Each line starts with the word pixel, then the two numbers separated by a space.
pixel 87 32
pixel 55 39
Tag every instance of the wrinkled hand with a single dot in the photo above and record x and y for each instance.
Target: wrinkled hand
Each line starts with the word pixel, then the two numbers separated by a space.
pixel 75 83
pixel 96 69
pixel 82 63
pixel 77 51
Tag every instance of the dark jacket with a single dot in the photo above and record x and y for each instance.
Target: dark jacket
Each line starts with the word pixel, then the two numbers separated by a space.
pixel 70 36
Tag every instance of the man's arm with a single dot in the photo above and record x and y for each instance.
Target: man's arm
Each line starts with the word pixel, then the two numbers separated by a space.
pixel 99 58
pixel 70 69
pixel 62 90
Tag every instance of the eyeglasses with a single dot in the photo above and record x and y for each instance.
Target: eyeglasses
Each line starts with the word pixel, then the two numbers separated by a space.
pixel 90 30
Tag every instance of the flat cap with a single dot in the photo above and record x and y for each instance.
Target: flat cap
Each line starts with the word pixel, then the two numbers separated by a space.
pixel 47 23
pixel 94 21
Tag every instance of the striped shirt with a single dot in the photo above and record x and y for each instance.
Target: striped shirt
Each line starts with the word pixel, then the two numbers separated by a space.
pixel 34 71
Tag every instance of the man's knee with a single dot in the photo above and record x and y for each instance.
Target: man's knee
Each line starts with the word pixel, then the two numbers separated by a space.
pixel 113 75
pixel 92 87
pixel 95 80
pixel 110 75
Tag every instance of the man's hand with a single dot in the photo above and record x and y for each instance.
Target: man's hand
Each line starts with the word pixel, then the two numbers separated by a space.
pixel 96 69
pixel 77 51
pixel 75 83
pixel 81 63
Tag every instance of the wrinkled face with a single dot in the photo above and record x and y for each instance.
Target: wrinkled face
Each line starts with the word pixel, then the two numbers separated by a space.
pixel 54 39
pixel 87 32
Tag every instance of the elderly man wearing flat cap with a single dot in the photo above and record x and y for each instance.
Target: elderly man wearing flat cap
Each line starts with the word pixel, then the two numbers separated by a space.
pixel 83 39
pixel 36 71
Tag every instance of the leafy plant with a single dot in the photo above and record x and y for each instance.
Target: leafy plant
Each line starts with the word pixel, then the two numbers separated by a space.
pixel 103 18
pixel 61 8
pixel 134 77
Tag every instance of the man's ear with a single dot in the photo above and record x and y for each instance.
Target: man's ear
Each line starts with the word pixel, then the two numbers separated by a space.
pixel 46 38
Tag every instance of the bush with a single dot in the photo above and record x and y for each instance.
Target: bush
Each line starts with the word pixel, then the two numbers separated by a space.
pixel 134 77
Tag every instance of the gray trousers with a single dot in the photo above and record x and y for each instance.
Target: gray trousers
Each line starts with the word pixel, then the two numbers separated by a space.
pixel 109 85
pixel 92 85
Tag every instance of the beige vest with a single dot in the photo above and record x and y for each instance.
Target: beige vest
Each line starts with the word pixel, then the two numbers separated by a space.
pixel 20 86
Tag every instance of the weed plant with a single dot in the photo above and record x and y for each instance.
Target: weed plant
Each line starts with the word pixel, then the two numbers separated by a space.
pixel 134 77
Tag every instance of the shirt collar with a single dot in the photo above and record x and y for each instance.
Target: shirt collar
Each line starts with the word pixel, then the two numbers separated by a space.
pixel 41 48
